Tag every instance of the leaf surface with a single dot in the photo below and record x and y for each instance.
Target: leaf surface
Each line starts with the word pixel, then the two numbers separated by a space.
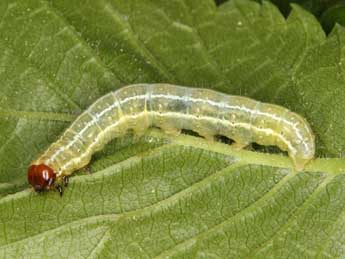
pixel 158 196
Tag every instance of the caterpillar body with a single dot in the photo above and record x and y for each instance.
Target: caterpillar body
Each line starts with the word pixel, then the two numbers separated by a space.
pixel 171 108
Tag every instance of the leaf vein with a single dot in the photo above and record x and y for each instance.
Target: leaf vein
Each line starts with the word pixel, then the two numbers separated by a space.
pixel 294 215
pixel 227 220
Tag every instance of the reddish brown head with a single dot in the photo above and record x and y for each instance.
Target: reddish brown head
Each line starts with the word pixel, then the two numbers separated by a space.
pixel 41 177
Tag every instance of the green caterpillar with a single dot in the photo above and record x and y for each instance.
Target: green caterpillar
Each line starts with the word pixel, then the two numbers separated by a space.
pixel 171 108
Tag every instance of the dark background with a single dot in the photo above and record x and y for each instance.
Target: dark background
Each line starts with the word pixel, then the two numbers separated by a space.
pixel 328 12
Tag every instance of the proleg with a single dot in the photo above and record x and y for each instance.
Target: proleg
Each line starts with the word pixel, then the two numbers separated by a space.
pixel 171 108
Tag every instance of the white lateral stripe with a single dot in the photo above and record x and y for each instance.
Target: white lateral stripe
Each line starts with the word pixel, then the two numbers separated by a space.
pixel 89 149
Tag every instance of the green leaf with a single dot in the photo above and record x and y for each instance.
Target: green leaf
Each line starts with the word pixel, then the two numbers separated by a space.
pixel 161 196
pixel 328 12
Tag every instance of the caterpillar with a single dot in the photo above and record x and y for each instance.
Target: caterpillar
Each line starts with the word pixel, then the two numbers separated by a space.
pixel 171 108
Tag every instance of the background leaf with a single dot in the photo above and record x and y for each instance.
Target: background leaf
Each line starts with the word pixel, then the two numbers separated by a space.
pixel 334 14
pixel 158 196
pixel 328 12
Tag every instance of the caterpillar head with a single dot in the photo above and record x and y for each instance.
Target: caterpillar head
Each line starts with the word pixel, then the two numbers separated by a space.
pixel 41 177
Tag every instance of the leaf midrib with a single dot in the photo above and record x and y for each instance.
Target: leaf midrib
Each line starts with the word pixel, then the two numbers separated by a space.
pixel 148 210
pixel 195 142
pixel 327 165
pixel 175 197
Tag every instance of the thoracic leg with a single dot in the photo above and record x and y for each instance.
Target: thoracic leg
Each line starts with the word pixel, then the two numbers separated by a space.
pixel 59 189
pixel 65 180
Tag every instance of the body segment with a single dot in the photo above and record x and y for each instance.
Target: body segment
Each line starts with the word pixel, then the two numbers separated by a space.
pixel 173 108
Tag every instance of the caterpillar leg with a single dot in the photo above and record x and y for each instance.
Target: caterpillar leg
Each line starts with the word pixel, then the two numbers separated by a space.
pixel 300 163
pixel 61 183
pixel 172 131
pixel 206 134
pixel 139 132
pixel 239 145
pixel 140 126
pixel 65 180
pixel 209 137
pixel 58 187
pixel 87 169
